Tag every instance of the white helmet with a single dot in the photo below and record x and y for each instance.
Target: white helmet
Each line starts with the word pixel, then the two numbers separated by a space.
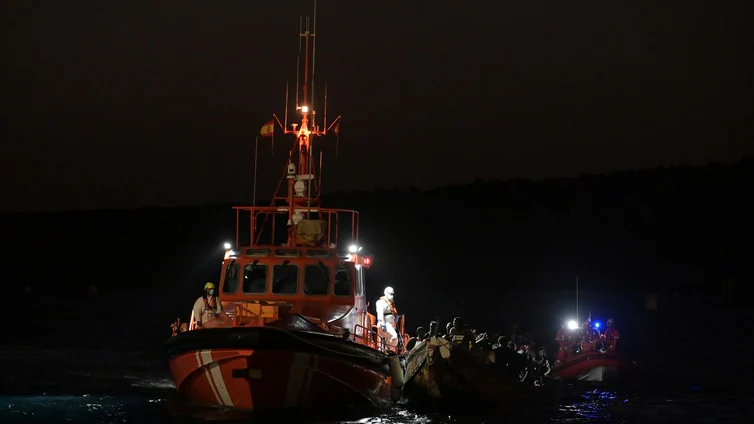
pixel 389 293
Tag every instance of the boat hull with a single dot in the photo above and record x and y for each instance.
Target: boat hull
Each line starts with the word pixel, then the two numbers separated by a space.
pixel 263 368
pixel 435 375
pixel 594 367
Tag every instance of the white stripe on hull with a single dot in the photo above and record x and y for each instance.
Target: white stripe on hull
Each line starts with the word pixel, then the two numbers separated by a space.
pixel 214 377
pixel 599 374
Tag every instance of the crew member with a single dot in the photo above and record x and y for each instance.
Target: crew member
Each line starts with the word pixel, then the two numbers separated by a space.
pixel 386 317
pixel 588 336
pixel 207 306
pixel 611 335
pixel 562 338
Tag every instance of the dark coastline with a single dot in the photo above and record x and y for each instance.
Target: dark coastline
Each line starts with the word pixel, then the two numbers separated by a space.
pixel 119 277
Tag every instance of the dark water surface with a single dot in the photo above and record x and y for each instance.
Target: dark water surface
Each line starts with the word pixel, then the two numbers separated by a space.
pixel 98 359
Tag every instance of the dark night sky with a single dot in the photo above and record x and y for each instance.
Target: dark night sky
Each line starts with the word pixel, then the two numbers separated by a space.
pixel 127 104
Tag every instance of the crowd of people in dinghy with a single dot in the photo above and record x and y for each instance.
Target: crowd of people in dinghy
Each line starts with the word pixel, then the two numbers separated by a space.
pixel 516 353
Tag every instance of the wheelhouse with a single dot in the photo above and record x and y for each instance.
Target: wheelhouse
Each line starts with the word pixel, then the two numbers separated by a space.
pixel 285 273
pixel 297 264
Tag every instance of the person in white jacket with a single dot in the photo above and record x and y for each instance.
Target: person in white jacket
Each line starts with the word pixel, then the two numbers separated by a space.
pixel 386 317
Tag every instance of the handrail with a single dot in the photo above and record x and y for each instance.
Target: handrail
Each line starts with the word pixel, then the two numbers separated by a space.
pixel 192 326
pixel 257 229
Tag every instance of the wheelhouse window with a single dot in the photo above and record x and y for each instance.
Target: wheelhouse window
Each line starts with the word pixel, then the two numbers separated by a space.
pixel 255 278
pixel 342 286
pixel 231 277
pixel 316 279
pixel 285 279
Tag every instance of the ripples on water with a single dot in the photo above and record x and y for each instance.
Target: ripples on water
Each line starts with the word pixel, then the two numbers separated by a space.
pixel 89 386
pixel 591 406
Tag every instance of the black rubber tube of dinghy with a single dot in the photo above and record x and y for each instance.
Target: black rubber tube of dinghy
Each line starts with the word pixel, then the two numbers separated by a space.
pixel 267 338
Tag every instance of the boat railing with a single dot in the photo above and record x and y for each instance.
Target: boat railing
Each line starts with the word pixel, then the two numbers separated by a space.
pixel 362 335
pixel 192 322
pixel 264 225
pixel 366 336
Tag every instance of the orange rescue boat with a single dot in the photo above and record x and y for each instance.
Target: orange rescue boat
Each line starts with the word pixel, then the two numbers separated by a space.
pixel 295 331
pixel 585 354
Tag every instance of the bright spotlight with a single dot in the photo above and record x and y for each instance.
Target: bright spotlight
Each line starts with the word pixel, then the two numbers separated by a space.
pixel 305 109
pixel 573 325
pixel 353 248
pixel 227 246
pixel 596 325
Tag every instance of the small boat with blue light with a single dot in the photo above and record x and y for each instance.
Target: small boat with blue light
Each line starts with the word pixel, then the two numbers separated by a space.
pixel 588 354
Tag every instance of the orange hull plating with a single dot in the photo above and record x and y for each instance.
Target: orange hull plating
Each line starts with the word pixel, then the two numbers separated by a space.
pixel 593 366
pixel 268 379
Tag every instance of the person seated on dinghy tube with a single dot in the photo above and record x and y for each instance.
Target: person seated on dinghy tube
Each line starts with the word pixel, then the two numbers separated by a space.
pixel 386 317
pixel 447 335
pixel 432 330
pixel 207 306
pixel 420 335
pixel 461 335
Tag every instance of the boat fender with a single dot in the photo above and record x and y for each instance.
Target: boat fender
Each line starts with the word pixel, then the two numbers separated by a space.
pixel 396 372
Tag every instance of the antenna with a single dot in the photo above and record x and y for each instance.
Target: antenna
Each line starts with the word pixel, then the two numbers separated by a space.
pixel 256 150
pixel 314 55
pixel 577 298
pixel 305 92
pixel 285 120
pixel 319 190
pixel 309 172
pixel 298 58
pixel 325 126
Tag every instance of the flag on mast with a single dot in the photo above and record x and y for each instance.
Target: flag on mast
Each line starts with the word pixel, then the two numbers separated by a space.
pixel 268 129
pixel 337 137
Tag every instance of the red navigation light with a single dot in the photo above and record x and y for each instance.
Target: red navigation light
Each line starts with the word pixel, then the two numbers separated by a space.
pixel 367 261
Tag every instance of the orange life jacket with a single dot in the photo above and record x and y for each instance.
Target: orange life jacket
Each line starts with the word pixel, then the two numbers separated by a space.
pixel 390 303
pixel 210 304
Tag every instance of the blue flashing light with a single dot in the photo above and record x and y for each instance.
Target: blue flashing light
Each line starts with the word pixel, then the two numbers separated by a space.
pixel 596 325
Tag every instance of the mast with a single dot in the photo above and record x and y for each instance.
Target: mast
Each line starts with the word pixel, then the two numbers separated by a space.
pixel 301 198
pixel 577 299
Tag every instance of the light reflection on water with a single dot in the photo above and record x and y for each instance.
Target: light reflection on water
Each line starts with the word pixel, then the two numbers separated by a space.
pixel 594 405
pixel 587 406
pixel 78 409
pixel 153 400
